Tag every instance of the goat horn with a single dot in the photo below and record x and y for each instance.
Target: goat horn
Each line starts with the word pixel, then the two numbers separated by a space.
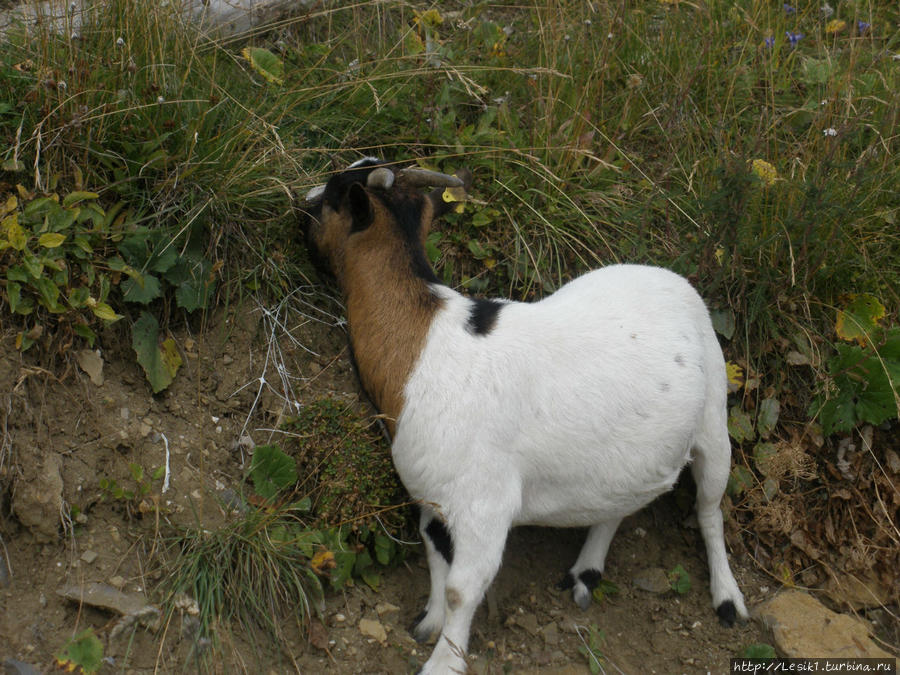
pixel 425 178
pixel 315 193
pixel 381 177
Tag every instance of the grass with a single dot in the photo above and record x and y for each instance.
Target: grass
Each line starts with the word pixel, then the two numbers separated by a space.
pixel 689 135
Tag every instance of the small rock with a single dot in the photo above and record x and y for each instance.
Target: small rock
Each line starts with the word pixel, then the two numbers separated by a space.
pixel 373 629
pixel 105 597
pixel 227 360
pixel 550 633
pixel 14 667
pixel 529 622
pixel 144 429
pixel 652 580
pixel 339 618
pixel 81 518
pixel 117 582
pixel 383 608
pixel 318 635
pixel 125 413
pixel 801 625
pixel 89 556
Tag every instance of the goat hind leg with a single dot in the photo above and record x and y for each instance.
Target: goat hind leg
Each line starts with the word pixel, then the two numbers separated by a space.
pixel 710 469
pixel 585 574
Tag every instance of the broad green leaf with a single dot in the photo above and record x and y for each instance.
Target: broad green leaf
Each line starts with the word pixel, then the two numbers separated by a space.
pixel 33 265
pixel 739 480
pixel 160 360
pixel 48 294
pixel 78 297
pixel 859 319
pixel 78 196
pixel 143 289
pixel 86 333
pixel 271 471
pixel 767 416
pixel 51 239
pixel 265 63
pixel 740 426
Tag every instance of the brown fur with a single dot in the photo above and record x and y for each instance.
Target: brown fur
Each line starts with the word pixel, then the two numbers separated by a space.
pixel 389 308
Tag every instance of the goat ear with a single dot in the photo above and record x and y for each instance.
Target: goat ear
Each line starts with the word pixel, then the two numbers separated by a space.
pixel 360 208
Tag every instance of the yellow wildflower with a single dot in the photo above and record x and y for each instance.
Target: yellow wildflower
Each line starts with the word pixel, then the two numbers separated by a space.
pixel 765 171
pixel 835 26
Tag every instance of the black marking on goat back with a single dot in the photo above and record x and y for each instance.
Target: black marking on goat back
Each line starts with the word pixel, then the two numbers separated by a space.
pixel 440 537
pixel 727 613
pixel 590 578
pixel 483 315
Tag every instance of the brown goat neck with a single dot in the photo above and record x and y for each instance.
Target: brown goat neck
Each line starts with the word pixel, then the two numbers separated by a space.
pixel 389 311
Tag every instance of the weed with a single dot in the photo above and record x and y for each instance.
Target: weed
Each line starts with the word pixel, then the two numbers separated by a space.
pixel 133 498
pixel 679 580
pixel 590 647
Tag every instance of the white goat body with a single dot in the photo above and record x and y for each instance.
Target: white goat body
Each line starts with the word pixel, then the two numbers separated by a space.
pixel 573 411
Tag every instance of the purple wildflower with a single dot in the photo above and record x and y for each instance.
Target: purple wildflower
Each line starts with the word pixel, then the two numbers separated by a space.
pixel 793 38
pixel 788 9
pixel 769 42
pixel 862 27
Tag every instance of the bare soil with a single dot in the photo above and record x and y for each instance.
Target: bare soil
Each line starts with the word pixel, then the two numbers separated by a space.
pixel 525 626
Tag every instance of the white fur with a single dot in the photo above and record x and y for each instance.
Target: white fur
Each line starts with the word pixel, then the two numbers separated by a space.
pixel 573 411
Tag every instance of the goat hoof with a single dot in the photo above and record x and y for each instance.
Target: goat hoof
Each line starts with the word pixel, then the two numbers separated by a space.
pixel 583 596
pixel 727 613
pixel 566 582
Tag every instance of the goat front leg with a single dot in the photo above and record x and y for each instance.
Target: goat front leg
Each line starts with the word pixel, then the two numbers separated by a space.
pixel 477 552
pixel 439 552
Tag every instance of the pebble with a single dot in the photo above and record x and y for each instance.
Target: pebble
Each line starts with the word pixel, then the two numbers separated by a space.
pixel 373 629
pixel 652 580
pixel 383 608
pixel 89 556
pixel 117 582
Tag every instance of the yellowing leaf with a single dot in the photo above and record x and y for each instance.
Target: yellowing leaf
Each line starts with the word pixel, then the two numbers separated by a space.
pixel 265 63
pixel 104 311
pixel 14 232
pixel 454 194
pixel 11 204
pixel 322 561
pixel 171 359
pixel 51 239
pixel 735 376
pixel 859 318
pixel 764 171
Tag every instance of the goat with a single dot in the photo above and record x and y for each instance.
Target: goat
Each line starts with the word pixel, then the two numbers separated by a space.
pixel 576 410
